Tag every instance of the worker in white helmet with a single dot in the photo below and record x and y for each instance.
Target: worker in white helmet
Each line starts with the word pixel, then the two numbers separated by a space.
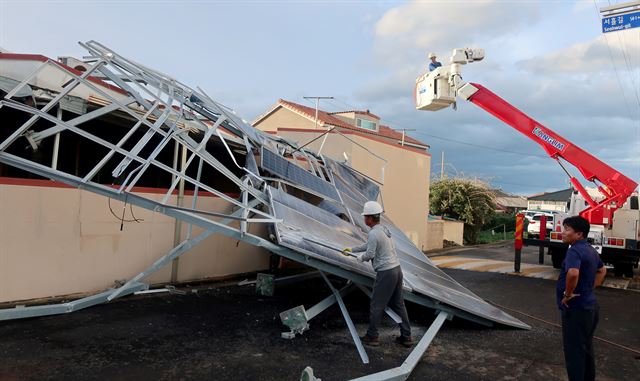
pixel 433 64
pixel 387 289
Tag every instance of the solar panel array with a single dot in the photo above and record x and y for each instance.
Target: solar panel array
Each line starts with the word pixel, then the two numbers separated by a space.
pixel 292 172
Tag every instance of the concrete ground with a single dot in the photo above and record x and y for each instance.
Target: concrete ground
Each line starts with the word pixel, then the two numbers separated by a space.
pixel 499 257
pixel 226 331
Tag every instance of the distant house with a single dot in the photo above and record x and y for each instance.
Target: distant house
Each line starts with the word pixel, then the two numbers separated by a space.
pixel 398 163
pixel 508 203
pixel 552 201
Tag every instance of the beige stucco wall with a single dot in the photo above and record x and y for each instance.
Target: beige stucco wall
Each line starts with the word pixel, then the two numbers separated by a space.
pixel 58 241
pixel 435 232
pixel 560 206
pixel 453 231
pixel 406 176
pixel 283 118
pixel 406 184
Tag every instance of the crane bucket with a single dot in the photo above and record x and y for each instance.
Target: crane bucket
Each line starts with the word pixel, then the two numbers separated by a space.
pixel 433 91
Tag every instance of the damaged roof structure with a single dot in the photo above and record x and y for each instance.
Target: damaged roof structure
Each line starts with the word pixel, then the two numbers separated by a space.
pixel 309 203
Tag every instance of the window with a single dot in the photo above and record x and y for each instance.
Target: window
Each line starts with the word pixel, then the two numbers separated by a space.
pixel 367 124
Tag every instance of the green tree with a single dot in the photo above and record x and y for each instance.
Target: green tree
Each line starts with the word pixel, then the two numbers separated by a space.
pixel 469 201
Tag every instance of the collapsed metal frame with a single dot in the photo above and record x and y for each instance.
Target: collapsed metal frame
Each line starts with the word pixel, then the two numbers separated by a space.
pixel 169 110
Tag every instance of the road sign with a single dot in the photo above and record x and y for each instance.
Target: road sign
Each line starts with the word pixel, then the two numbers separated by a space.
pixel 620 22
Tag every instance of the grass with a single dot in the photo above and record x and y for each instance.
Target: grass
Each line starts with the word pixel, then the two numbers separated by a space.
pixel 487 237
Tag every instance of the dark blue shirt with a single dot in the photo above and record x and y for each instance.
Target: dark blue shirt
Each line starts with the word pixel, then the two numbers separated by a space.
pixel 585 258
pixel 434 65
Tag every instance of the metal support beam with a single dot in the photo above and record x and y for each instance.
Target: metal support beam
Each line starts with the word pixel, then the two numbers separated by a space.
pixel 352 328
pixel 404 371
pixel 176 252
pixel 63 308
pixel 328 301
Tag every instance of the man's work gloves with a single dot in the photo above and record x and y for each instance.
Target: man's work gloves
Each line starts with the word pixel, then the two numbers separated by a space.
pixel 348 252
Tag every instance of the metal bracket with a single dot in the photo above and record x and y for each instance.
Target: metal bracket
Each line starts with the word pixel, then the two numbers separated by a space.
pixel 352 329
pixel 404 371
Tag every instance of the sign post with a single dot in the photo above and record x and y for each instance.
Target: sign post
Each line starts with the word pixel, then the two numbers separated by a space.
pixel 518 241
pixel 543 236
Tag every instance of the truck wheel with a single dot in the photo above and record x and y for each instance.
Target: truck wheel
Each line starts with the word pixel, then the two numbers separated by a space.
pixel 557 256
pixel 629 271
pixel 622 269
pixel 626 270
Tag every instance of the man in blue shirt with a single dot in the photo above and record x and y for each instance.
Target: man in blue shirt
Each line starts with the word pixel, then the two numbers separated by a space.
pixel 433 64
pixel 582 271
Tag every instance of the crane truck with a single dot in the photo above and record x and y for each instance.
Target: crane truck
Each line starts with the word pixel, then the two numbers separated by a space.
pixel 613 214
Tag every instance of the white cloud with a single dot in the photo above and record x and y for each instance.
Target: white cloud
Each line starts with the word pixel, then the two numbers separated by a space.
pixel 572 90
pixel 621 49
pixel 411 30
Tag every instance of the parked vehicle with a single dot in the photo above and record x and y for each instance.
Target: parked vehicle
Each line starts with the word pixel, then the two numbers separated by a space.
pixel 533 229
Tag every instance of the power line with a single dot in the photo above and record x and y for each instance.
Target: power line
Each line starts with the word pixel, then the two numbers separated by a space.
pixel 458 141
pixel 615 69
pixel 623 47
pixel 480 145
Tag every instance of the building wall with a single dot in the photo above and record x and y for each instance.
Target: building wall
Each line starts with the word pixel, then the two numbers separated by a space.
pixel 454 231
pixel 406 175
pixel 58 240
pixel 435 232
pixel 406 184
pixel 283 118
pixel 560 206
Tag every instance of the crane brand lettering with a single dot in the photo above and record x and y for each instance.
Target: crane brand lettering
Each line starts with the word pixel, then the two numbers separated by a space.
pixel 553 141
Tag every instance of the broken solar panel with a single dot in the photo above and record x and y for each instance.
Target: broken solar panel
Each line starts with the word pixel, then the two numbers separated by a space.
pixel 357 182
pixel 316 223
pixel 318 233
pixel 292 172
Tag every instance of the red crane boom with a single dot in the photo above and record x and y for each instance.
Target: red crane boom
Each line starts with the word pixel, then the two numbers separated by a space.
pixel 616 187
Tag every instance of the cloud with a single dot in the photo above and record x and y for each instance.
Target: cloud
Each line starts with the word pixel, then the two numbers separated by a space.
pixel 411 30
pixel 620 49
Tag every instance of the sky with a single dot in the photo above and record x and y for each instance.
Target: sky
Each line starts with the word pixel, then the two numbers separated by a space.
pixel 548 58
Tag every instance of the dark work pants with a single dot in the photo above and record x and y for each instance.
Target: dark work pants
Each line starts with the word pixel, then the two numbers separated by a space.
pixel 387 291
pixel 578 326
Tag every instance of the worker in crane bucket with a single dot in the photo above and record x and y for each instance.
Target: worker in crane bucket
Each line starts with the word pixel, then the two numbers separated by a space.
pixel 582 271
pixel 433 64
pixel 387 288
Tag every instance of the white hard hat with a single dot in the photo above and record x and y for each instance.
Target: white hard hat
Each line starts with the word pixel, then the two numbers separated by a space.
pixel 432 55
pixel 371 208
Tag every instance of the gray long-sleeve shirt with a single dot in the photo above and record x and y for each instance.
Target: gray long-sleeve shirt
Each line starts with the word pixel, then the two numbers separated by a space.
pixel 379 249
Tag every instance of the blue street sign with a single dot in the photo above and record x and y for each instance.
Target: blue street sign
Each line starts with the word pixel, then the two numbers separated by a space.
pixel 620 22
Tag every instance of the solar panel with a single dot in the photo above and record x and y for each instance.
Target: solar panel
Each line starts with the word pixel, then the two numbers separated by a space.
pixel 288 170
pixel 356 180
pixel 304 227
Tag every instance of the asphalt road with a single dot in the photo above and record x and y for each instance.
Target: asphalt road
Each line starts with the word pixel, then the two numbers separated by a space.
pixel 228 332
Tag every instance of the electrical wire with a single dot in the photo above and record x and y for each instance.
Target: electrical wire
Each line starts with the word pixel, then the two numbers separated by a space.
pixel 479 145
pixel 620 346
pixel 626 61
pixel 121 219
pixel 615 69
pixel 454 140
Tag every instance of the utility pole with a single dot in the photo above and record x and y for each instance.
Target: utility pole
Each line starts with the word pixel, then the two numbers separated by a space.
pixel 403 131
pixel 442 167
pixel 317 105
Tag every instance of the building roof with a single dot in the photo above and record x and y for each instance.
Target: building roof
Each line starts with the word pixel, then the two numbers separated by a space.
pixel 358 112
pixel 561 195
pixel 511 202
pixel 327 119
